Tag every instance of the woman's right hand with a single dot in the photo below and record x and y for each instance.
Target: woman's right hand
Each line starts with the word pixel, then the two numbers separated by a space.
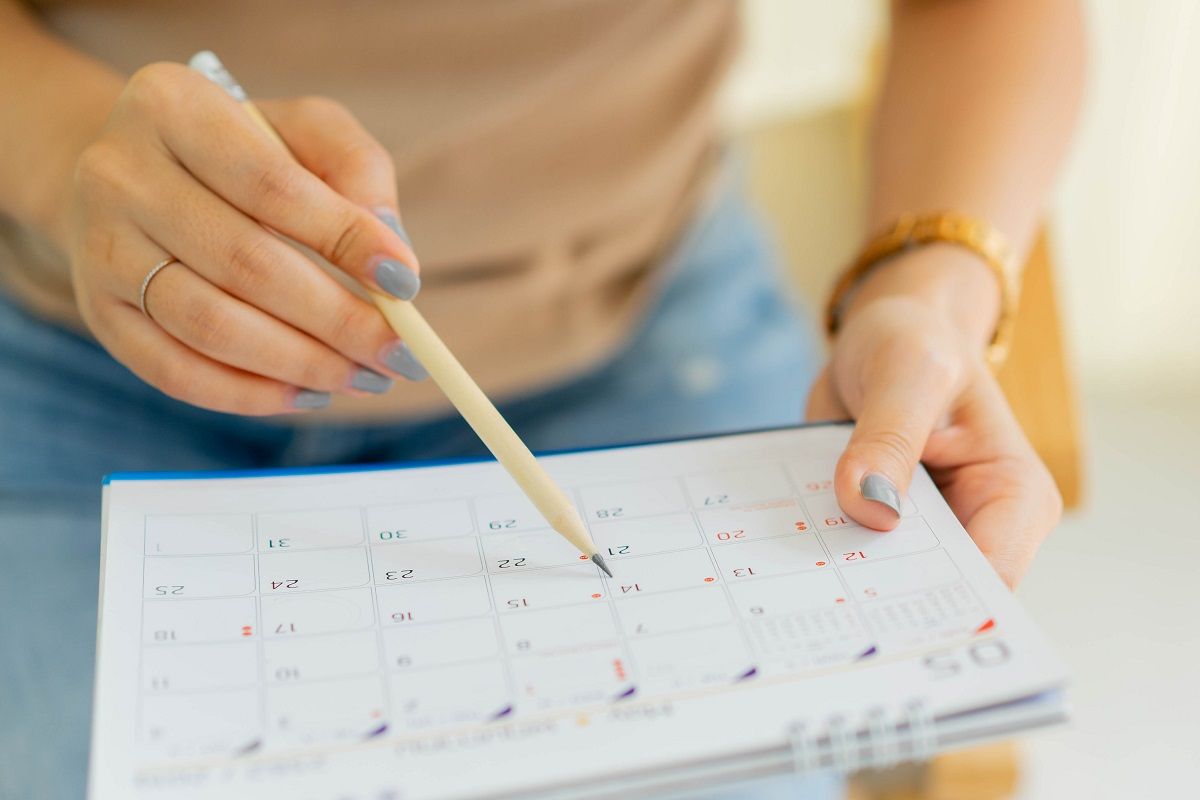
pixel 244 323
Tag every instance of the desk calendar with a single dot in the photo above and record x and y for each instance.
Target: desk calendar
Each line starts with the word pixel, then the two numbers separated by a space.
pixel 419 632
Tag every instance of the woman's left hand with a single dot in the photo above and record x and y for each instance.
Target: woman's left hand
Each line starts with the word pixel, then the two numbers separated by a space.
pixel 920 390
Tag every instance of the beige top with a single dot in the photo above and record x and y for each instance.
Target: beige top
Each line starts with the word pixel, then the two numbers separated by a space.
pixel 547 152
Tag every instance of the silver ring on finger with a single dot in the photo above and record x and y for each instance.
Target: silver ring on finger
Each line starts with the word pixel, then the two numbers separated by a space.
pixel 157 268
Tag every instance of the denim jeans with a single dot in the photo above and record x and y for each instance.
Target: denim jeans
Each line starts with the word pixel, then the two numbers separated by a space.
pixel 722 349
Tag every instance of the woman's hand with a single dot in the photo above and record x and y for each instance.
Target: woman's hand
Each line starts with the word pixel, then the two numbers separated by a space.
pixel 244 323
pixel 910 370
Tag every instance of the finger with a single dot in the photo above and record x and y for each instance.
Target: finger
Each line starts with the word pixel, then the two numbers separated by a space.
pixel 234 253
pixel 232 332
pixel 823 403
pixel 902 401
pixel 332 144
pixel 1004 495
pixel 182 373
pixel 226 150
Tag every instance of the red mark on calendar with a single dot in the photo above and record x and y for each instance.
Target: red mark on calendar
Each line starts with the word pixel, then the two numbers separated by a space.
pixel 987 626
pixel 619 669
pixel 596 596
pixel 820 563
pixel 247 630
pixel 583 558
pixel 709 579
pixel 840 600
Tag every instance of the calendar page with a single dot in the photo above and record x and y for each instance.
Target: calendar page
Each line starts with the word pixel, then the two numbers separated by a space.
pixel 420 632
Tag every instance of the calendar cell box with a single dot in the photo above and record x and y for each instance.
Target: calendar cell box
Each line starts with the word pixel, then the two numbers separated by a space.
pixel 320 657
pixel 435 558
pixel 508 513
pixel 901 575
pixel 625 500
pixel 306 613
pixel 438 644
pixel 419 521
pixel 183 577
pixel 947 613
pixel 789 594
pixel 345 709
pixel 852 546
pixel 754 521
pixel 634 537
pixel 437 601
pixel 559 630
pixel 685 569
pixel 419 699
pixel 194 621
pixel 815 638
pixel 771 557
pixel 548 588
pixel 515 552
pixel 825 512
pixel 303 530
pixel 228 665
pixel 199 723
pixel 198 534
pixel 810 479
pixel 568 679
pixel 689 659
pixel 297 571
pixel 734 487
pixel 669 612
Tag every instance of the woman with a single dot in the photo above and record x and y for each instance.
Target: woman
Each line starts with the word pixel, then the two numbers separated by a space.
pixel 582 249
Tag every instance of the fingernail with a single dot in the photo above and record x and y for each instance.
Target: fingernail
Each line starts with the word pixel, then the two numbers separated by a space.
pixel 307 398
pixel 393 222
pixel 880 489
pixel 368 380
pixel 395 278
pixel 400 359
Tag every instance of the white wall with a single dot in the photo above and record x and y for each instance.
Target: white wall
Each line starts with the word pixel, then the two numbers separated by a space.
pixel 1127 210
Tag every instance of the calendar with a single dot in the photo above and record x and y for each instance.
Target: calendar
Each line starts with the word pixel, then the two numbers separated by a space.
pixel 419 631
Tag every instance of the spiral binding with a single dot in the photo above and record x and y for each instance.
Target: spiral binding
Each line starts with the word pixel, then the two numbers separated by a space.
pixel 875 742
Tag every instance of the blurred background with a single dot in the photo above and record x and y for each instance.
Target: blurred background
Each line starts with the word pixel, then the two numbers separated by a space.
pixel 1114 587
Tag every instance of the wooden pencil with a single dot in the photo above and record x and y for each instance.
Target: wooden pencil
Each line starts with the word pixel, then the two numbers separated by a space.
pixel 450 376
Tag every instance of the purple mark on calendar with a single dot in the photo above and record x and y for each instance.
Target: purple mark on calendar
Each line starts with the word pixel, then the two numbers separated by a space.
pixel 870 651
pixel 625 695
pixel 249 748
pixel 747 675
pixel 380 731
pixel 502 713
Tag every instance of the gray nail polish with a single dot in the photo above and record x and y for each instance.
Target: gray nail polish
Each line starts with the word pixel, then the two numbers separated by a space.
pixel 400 359
pixel 880 489
pixel 368 380
pixel 393 223
pixel 395 278
pixel 307 398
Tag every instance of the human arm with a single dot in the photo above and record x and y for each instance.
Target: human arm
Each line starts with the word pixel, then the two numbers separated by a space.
pixel 976 111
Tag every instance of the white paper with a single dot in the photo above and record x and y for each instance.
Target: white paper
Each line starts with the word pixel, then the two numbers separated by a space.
pixel 420 632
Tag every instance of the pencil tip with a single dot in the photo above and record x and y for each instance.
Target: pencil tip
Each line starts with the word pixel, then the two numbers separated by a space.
pixel 598 560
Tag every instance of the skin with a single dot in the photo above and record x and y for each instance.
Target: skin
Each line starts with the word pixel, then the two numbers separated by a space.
pixel 118 171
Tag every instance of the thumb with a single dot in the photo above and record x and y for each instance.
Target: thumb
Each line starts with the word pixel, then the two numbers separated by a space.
pixel 900 406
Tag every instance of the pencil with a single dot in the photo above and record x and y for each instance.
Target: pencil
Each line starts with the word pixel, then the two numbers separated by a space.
pixel 449 374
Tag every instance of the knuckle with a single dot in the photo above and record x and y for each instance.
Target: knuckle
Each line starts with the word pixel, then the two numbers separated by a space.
pixel 275 183
pixel 99 169
pixel 249 261
pixel 343 238
pixel 209 326
pixel 346 320
pixel 890 446
pixel 157 85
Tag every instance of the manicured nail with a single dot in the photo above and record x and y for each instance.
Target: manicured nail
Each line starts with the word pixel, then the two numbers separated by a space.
pixel 880 489
pixel 400 359
pixel 368 380
pixel 395 278
pixel 393 222
pixel 307 398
